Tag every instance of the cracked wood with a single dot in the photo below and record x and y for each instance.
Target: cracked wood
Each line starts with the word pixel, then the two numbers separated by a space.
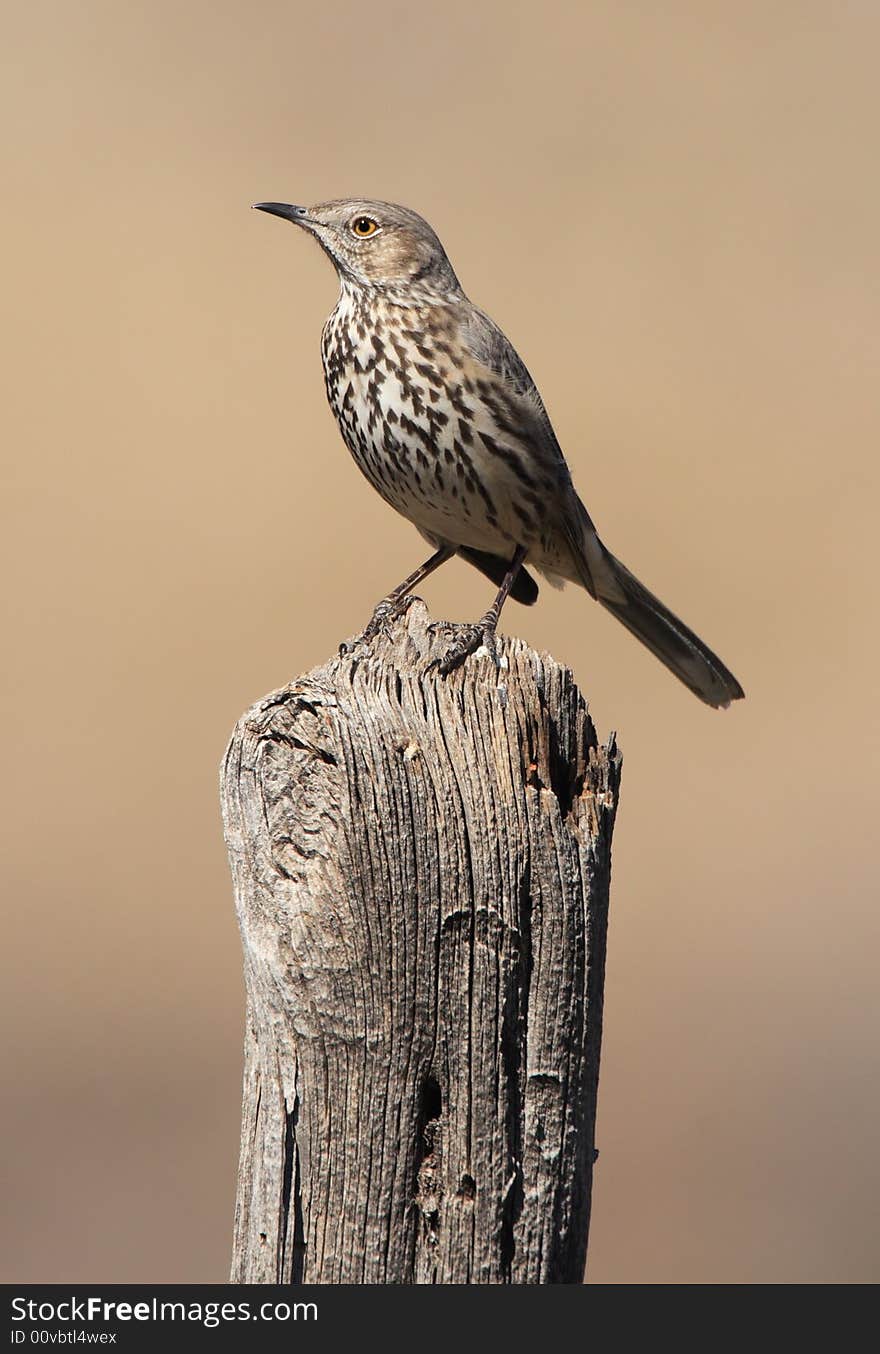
pixel 421 869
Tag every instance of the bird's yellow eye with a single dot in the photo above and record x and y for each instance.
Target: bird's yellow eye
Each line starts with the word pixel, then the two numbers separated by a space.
pixel 364 226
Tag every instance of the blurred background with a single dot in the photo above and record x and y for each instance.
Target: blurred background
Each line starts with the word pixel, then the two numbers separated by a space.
pixel 674 212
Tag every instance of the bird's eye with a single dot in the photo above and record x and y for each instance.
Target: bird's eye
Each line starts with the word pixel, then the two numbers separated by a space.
pixel 364 226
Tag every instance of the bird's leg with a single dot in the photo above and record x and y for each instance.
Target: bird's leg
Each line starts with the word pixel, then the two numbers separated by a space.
pixel 471 637
pixel 397 601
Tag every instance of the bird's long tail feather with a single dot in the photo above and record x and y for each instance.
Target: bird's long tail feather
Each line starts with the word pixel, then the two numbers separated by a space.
pixel 668 638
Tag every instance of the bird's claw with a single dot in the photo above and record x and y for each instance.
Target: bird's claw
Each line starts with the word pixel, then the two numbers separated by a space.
pixel 389 609
pixel 469 639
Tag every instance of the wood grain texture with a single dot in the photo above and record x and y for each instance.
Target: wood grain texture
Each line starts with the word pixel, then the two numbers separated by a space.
pixel 421 869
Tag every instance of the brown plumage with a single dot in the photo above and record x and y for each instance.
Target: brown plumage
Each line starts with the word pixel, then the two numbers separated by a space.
pixel 441 415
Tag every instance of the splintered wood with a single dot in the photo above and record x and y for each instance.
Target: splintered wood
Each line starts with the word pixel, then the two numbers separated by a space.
pixel 421 868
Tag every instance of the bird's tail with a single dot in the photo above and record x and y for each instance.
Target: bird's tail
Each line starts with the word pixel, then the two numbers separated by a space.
pixel 645 616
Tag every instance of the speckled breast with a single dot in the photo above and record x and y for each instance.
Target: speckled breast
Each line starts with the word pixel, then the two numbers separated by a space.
pixel 410 413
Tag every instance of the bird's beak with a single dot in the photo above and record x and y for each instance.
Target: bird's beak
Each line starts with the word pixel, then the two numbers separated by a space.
pixel 282 209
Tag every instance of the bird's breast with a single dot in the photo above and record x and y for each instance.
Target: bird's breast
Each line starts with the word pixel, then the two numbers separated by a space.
pixel 429 430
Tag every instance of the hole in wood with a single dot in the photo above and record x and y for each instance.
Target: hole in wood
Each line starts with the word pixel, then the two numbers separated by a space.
pixel 432 1101
pixel 467 1188
pixel 429 1189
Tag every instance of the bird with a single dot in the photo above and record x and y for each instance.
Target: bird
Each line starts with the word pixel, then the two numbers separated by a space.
pixel 442 417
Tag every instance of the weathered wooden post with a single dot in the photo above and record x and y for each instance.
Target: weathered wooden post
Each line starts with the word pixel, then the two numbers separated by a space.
pixel 421 869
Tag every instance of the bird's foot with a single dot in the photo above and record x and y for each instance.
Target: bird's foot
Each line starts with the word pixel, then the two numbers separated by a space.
pixel 388 610
pixel 469 639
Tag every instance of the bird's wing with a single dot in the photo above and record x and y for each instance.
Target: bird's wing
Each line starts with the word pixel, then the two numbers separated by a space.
pixel 522 409
pixel 491 347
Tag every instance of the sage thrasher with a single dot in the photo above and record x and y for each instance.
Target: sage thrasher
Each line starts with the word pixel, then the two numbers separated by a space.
pixel 445 421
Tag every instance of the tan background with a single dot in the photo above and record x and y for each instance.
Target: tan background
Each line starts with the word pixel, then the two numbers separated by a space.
pixel 674 211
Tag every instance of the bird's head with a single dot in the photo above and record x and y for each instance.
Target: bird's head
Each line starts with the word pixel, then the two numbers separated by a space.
pixel 375 245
